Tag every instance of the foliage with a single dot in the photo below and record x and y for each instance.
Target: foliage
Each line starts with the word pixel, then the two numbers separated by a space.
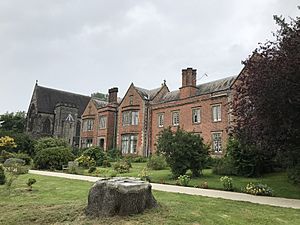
pixel 7 143
pixel 53 157
pixel 25 143
pixel 92 169
pixel 183 150
pixel 100 96
pixel 15 122
pixel 266 102
pixel 258 189
pixel 106 163
pixel 4 155
pixel 95 153
pixel 114 154
pixel 227 183
pixel 184 180
pixel 224 166
pixel 294 174
pixel 145 175
pixel 14 167
pixel 27 159
pixel 30 182
pixel 85 161
pixel 73 168
pixel 49 142
pixel 204 185
pixel 122 166
pixel 2 175
pixel 157 162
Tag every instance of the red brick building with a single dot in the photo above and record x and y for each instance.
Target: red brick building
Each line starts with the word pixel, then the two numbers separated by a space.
pixel 99 122
pixel 136 121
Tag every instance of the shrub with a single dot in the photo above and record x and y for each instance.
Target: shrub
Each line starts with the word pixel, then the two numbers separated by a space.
pixel 258 189
pixel 183 150
pixel 30 182
pixel 5 155
pixel 224 166
pixel 49 142
pixel 145 175
pixel 114 154
pixel 24 157
pixel 106 163
pixel 294 174
pixel 2 175
pixel 92 169
pixel 14 167
pixel 73 169
pixel 85 161
pixel 184 180
pixel 139 159
pixel 122 166
pixel 227 183
pixel 204 185
pixel 96 154
pixel 53 158
pixel 157 162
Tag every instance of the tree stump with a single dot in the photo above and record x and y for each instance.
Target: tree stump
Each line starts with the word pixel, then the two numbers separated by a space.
pixel 119 196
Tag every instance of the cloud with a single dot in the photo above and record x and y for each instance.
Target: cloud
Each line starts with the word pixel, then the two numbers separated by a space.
pixel 88 46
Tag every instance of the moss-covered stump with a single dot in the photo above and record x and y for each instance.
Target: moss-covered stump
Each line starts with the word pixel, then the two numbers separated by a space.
pixel 119 196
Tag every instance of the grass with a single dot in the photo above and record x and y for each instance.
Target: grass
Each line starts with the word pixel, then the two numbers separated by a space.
pixel 62 201
pixel 277 181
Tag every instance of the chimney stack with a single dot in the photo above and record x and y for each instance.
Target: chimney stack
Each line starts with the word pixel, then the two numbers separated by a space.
pixel 113 95
pixel 188 88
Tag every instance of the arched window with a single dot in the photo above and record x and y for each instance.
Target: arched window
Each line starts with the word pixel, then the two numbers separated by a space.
pixel 47 126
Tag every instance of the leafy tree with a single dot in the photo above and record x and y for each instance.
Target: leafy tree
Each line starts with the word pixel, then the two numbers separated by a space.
pixel 266 103
pixel 99 95
pixel 15 122
pixel 25 143
pixel 183 151
pixel 96 154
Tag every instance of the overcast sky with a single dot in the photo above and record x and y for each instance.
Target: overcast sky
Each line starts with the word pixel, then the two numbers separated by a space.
pixel 85 46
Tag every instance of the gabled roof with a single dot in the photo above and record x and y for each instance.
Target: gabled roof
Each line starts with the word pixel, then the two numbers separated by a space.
pixel 99 103
pixel 206 88
pixel 48 98
pixel 148 94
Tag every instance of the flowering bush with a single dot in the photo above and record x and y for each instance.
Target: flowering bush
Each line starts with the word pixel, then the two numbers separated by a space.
pixel 7 143
pixel 122 166
pixel 145 175
pixel 184 180
pixel 258 189
pixel 85 161
pixel 227 183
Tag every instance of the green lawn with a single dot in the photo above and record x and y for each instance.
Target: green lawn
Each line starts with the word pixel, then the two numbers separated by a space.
pixel 62 201
pixel 277 181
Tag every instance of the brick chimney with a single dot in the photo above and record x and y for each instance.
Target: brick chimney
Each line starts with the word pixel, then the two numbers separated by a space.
pixel 113 95
pixel 188 88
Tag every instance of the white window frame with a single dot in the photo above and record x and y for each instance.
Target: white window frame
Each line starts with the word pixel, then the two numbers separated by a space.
pixel 160 119
pixel 102 122
pixel 216 113
pixel 129 143
pixel 130 118
pixel 175 118
pixel 88 125
pixel 217 142
pixel 196 119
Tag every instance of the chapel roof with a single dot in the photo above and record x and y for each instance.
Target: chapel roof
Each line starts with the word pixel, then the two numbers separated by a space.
pixel 48 98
